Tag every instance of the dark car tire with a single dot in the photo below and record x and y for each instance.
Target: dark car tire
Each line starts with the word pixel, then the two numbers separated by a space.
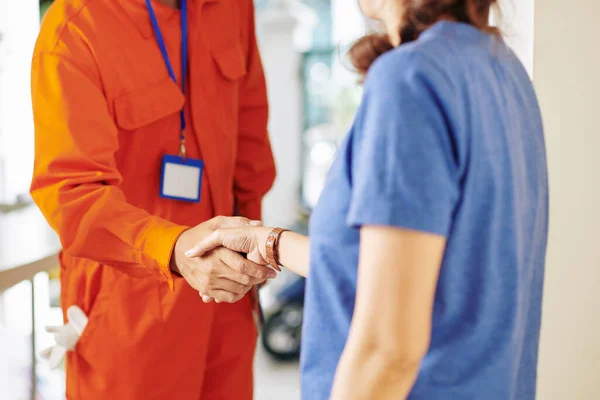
pixel 282 333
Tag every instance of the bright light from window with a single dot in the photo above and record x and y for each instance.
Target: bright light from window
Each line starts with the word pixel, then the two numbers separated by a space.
pixel 19 25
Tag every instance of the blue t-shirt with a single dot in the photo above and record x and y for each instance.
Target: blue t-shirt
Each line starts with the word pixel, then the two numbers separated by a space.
pixel 448 140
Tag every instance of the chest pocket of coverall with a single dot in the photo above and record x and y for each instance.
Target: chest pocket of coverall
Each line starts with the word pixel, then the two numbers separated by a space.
pixel 148 123
pixel 231 62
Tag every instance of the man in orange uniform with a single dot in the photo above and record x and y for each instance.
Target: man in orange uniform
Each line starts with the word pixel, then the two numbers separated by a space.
pixel 110 143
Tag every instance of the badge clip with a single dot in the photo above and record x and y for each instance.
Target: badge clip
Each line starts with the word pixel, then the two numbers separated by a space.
pixel 182 150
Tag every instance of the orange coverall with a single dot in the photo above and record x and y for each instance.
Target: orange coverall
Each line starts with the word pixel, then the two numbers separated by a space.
pixel 106 111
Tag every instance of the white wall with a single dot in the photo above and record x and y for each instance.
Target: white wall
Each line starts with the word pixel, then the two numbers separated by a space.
pixel 281 63
pixel 516 21
pixel 567 79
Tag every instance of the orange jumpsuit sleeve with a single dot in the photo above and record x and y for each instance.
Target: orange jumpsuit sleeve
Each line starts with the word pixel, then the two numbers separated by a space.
pixel 76 180
pixel 255 166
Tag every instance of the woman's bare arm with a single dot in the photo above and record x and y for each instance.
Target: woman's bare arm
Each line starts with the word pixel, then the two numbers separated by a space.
pixel 391 326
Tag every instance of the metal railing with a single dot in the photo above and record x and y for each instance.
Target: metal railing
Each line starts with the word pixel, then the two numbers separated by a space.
pixel 16 220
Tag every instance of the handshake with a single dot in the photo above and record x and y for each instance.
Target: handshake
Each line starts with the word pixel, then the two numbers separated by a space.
pixel 223 258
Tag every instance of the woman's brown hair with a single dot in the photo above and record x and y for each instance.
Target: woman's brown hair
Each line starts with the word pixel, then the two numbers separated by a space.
pixel 418 16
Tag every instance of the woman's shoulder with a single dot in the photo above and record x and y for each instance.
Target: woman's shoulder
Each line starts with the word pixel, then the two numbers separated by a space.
pixel 433 57
pixel 423 64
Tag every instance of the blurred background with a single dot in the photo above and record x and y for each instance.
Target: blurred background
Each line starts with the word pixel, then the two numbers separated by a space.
pixel 313 96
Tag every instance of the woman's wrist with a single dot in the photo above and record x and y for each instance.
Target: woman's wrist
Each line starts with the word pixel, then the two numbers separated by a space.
pixel 272 247
pixel 284 237
pixel 292 249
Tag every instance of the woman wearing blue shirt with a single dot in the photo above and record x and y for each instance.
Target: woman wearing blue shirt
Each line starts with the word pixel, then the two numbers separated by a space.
pixel 427 247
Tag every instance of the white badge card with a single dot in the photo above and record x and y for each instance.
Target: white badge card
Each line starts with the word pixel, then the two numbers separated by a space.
pixel 181 179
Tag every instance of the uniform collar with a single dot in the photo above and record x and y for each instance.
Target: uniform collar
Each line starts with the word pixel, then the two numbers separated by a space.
pixel 138 13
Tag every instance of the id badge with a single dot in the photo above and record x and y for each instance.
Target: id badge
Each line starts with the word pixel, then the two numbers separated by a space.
pixel 181 180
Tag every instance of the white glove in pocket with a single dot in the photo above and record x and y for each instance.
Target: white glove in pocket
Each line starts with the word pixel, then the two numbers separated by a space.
pixel 65 336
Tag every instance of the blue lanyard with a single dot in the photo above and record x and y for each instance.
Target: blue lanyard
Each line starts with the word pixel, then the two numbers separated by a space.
pixel 184 62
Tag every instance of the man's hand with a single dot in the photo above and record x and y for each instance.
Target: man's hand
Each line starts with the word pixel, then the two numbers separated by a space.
pixel 249 240
pixel 222 274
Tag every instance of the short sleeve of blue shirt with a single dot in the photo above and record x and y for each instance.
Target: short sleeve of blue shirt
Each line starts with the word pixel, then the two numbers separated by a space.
pixel 403 169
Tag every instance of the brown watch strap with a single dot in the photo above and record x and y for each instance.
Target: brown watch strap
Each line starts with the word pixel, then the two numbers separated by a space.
pixel 271 247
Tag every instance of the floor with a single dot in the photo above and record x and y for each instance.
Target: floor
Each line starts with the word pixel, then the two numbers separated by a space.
pixel 274 380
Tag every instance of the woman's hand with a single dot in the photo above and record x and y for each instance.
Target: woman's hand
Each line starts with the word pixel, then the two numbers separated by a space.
pixel 246 239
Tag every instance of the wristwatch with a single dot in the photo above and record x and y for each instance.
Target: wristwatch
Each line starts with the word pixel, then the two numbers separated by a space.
pixel 271 247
